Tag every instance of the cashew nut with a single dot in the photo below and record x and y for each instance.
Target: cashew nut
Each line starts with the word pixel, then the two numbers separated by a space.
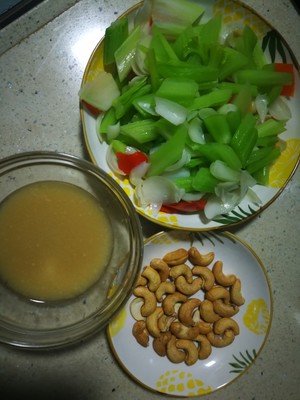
pixel 186 311
pixel 204 327
pixel 190 349
pixel 173 353
pixel 218 292
pixel 207 311
pixel 152 322
pixel 188 288
pixel 235 293
pixel 164 322
pixel 140 332
pixel 181 269
pixel 176 257
pixel 161 267
pixel 221 340
pixel 204 349
pixel 225 324
pixel 141 281
pixel 149 300
pixel 160 343
pixel 135 308
pixel 164 288
pixel 207 276
pixel 170 300
pixel 225 310
pixel 196 258
pixel 153 278
pixel 221 278
pixel 183 332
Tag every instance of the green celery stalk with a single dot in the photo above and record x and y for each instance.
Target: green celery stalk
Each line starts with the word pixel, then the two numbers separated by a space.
pixel 196 162
pixel 233 62
pixel 115 35
pixel 270 127
pixel 180 90
pixel 203 181
pixel 162 49
pixel 216 97
pixel 185 183
pixel 246 42
pixel 262 158
pixel 145 105
pixel 236 88
pixel 263 77
pixel 108 119
pixel 184 41
pixel 126 52
pixel 124 102
pixel 152 66
pixel 266 141
pixel 182 69
pixel 168 153
pixel 218 151
pixel 118 146
pixel 142 131
pixel 243 99
pixel 234 119
pixel 245 138
pixel 218 127
pixel 262 175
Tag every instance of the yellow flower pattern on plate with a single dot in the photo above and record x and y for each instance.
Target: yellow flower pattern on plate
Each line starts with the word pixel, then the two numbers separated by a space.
pixel 285 164
pixel 257 317
pixel 176 382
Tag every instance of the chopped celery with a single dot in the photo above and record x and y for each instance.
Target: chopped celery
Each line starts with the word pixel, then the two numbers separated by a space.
pixel 270 127
pixel 234 119
pixel 219 151
pixel 217 97
pixel 142 131
pixel 257 164
pixel 108 119
pixel 145 105
pixel 236 88
pixel 168 153
pixel 218 127
pixel 181 90
pixel 204 181
pixel 233 61
pixel 162 48
pixel 115 34
pixel 153 73
pixel 182 69
pixel 125 53
pixel 263 78
pixel 245 137
pixel 118 146
pixel 185 183
pixel 243 99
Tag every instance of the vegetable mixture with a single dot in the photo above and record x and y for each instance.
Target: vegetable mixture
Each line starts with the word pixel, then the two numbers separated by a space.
pixel 191 109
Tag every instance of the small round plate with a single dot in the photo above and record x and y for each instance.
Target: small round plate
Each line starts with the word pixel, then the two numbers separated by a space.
pixel 277 51
pixel 224 364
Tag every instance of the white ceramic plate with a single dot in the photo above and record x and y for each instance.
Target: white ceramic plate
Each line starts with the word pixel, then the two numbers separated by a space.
pixel 281 172
pixel 224 364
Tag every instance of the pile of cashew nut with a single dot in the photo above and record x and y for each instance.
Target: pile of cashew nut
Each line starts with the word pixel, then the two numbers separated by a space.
pixel 182 327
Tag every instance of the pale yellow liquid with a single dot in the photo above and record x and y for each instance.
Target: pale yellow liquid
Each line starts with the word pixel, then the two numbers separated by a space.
pixel 55 241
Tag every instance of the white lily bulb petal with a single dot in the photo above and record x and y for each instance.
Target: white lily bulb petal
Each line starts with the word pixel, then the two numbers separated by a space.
pixel 280 110
pixel 171 111
pixel 138 173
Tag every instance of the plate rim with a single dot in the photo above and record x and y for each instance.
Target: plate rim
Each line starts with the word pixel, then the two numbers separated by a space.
pixel 261 266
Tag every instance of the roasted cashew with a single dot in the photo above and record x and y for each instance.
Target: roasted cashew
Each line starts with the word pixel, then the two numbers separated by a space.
pixel 207 276
pixel 160 343
pixel 164 322
pixel 190 349
pixel 196 258
pixel 140 332
pixel 204 327
pixel 173 353
pixel 207 311
pixel 235 293
pixel 188 288
pixel 149 300
pixel 135 308
pixel 221 340
pixel 176 257
pixel 204 349
pixel 225 310
pixel 170 300
pixel 153 278
pixel 164 288
pixel 152 322
pixel 181 269
pixel 142 281
pixel 186 311
pixel 225 324
pixel 183 332
pixel 218 292
pixel 161 267
pixel 221 278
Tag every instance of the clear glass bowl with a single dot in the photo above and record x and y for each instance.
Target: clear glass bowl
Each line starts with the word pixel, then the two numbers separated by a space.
pixel 38 325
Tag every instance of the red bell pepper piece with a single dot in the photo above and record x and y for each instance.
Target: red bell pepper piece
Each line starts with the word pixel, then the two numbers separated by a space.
pixel 126 162
pixel 287 90
pixel 183 206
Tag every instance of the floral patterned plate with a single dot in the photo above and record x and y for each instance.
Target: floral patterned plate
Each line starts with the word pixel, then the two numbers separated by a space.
pixel 276 49
pixel 224 364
